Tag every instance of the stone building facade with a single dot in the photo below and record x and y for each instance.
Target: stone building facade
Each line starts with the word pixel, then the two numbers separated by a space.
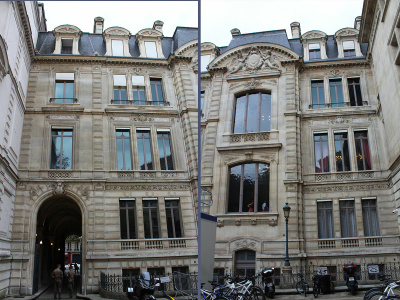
pixel 380 28
pixel 297 121
pixel 19 26
pixel 108 154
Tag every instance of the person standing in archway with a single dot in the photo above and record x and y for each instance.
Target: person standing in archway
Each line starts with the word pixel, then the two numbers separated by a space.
pixel 71 278
pixel 57 275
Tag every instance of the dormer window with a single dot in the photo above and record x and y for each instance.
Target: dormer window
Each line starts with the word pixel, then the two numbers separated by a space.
pixel 349 49
pixel 208 53
pixel 67 39
pixel 151 50
pixel 347 42
pixel 117 39
pixel 205 60
pixel 149 42
pixel 117 48
pixel 66 46
pixel 314 51
pixel 314 45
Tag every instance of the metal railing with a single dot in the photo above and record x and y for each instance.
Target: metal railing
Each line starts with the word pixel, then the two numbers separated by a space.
pixel 114 286
pixel 63 100
pixel 337 105
pixel 140 102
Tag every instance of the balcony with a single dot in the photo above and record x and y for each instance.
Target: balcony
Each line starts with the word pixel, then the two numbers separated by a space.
pixel 63 100
pixel 142 245
pixel 344 176
pixel 140 102
pixel 337 105
pixel 353 243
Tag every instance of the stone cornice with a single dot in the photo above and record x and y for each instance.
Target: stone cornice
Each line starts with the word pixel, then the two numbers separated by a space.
pixel 250 147
pixel 78 59
pixel 326 64
pixel 27 28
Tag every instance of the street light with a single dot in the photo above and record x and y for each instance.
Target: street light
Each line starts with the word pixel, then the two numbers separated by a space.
pixel 286 213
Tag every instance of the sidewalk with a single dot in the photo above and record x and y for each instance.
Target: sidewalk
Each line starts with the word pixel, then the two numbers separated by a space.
pixel 284 294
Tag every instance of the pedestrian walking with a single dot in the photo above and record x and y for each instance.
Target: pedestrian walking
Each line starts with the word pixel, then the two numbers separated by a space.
pixel 57 275
pixel 71 280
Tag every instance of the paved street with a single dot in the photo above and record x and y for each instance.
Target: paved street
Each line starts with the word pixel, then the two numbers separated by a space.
pixel 340 295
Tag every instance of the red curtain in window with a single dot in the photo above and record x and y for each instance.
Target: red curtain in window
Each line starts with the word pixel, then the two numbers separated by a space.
pixel 366 153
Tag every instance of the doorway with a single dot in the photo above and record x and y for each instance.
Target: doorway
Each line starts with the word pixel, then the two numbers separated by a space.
pixel 245 263
pixel 58 219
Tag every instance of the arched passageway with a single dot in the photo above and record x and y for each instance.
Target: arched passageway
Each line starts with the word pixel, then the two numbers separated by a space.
pixel 57 218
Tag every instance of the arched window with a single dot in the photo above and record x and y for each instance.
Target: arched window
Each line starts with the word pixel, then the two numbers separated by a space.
pixel 249 188
pixel 253 112
pixel 245 263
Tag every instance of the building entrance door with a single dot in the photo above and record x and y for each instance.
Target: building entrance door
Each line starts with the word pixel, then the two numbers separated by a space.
pixel 58 218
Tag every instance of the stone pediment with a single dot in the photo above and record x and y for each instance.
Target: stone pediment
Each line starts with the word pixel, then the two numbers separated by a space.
pixel 314 34
pixel 66 29
pixel 208 46
pixel 254 59
pixel 344 32
pixel 117 31
pixel 148 32
pixel 188 50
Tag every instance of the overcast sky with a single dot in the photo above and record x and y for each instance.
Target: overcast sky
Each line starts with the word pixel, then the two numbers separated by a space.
pixel 132 15
pixel 220 16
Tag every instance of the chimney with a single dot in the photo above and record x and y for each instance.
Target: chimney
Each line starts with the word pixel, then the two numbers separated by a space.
pixel 235 31
pixel 296 32
pixel 158 25
pixel 357 23
pixel 98 25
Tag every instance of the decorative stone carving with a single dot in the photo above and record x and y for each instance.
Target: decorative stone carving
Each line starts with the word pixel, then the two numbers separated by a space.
pixel 66 29
pixel 220 223
pixel 136 71
pixel 334 73
pixel 252 84
pixel 347 188
pixel 254 60
pixel 269 157
pixel 116 31
pixel 147 187
pixel 59 188
pixel 245 243
pixel 142 118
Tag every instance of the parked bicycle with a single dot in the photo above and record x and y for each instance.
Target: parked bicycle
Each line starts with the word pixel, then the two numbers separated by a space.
pixel 302 285
pixel 385 280
pixel 390 292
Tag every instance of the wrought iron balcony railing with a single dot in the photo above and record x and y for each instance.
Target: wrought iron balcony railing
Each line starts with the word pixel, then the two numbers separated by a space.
pixel 140 102
pixel 337 105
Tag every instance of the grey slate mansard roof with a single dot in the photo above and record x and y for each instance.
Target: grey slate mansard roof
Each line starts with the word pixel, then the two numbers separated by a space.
pixel 279 37
pixel 90 43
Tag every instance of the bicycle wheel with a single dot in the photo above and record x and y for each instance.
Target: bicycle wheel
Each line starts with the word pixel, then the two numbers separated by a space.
pixel 315 291
pixel 257 294
pixel 371 292
pixel 376 296
pixel 299 287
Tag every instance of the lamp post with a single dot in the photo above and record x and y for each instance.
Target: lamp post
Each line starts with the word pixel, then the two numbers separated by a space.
pixel 286 213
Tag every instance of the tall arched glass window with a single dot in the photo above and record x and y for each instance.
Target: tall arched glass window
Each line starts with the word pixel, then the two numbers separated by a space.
pixel 253 113
pixel 249 188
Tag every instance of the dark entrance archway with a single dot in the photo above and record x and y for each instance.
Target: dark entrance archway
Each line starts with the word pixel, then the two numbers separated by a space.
pixel 58 217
